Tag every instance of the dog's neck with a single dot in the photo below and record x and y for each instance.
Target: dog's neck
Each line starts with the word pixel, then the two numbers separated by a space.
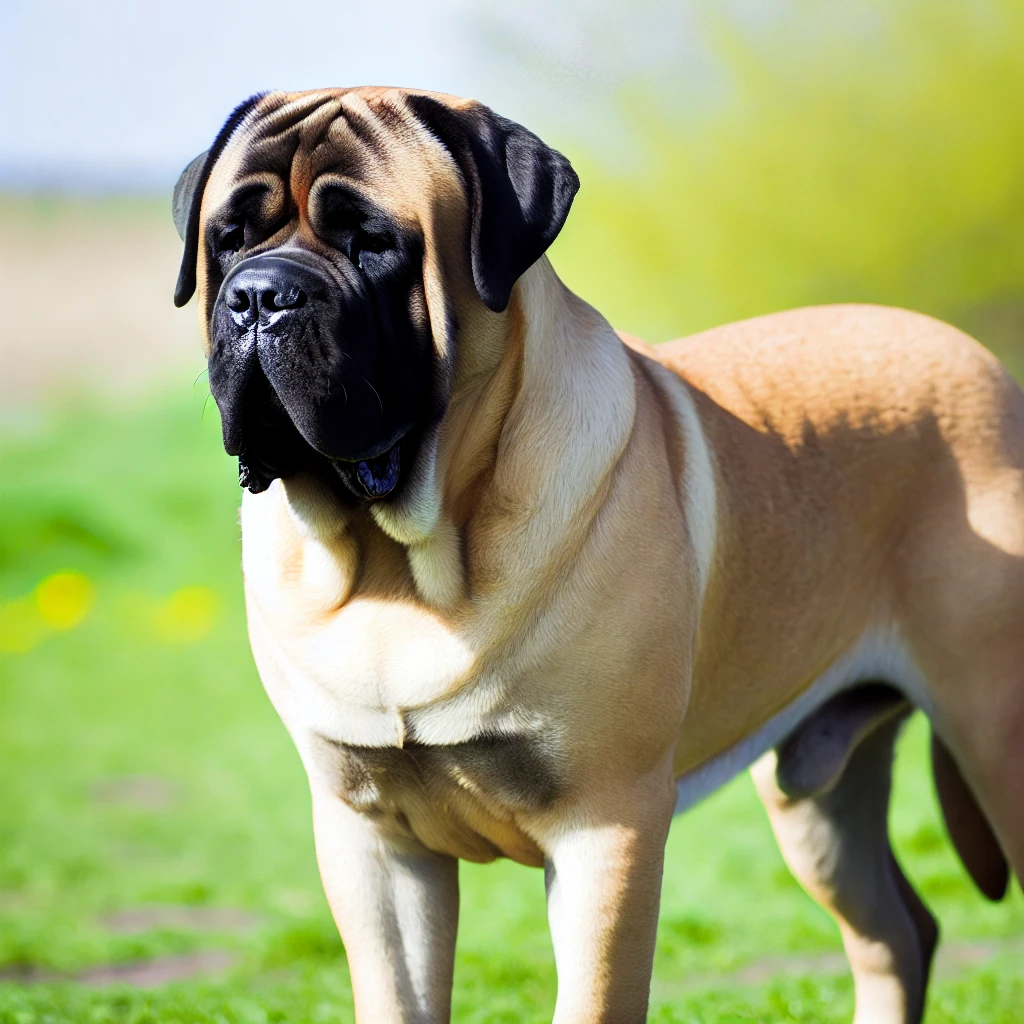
pixel 541 408
pixel 531 431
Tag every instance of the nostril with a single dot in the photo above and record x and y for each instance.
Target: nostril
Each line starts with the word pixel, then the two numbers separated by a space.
pixel 290 297
pixel 239 300
pixel 264 292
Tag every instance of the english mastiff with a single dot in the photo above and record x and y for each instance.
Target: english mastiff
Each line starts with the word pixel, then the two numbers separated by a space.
pixel 521 587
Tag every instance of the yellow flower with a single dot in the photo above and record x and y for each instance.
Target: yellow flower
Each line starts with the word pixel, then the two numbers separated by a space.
pixel 64 599
pixel 187 615
pixel 21 626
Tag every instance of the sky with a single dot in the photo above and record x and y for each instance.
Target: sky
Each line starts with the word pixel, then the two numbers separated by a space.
pixel 123 93
pixel 133 88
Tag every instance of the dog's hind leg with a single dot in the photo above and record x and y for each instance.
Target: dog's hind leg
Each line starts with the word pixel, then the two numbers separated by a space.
pixel 960 586
pixel 969 644
pixel 968 827
pixel 979 774
pixel 836 842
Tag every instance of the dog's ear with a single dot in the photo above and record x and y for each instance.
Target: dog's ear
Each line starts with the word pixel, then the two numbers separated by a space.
pixel 185 190
pixel 520 191
pixel 188 198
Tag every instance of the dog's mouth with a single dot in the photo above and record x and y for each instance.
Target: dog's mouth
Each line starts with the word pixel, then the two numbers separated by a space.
pixel 367 479
pixel 375 477
pixel 282 452
pixel 269 445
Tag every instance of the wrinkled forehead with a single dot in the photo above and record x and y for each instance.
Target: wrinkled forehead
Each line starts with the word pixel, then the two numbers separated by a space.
pixel 367 139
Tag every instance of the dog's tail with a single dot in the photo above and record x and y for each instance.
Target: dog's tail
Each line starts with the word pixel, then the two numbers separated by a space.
pixel 968 827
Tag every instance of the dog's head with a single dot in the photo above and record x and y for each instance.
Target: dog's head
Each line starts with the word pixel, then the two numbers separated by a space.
pixel 332 238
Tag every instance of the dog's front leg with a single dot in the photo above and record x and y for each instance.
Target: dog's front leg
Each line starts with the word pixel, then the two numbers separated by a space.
pixel 396 905
pixel 604 885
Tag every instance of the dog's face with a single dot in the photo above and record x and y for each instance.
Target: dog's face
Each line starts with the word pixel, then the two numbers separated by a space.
pixel 331 237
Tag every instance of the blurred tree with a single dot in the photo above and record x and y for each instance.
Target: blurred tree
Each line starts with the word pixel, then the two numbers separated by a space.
pixel 870 152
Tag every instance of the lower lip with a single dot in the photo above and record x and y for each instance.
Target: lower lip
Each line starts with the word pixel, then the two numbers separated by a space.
pixel 376 477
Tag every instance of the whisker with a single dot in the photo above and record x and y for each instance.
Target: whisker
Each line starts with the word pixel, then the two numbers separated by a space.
pixel 374 390
pixel 329 384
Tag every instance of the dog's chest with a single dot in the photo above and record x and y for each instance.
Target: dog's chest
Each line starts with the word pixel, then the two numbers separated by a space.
pixel 464 799
pixel 405 730
pixel 390 702
pixel 338 628
pixel 381 654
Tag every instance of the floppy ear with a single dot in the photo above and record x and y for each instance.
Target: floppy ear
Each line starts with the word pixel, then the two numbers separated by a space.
pixel 188 198
pixel 185 190
pixel 520 191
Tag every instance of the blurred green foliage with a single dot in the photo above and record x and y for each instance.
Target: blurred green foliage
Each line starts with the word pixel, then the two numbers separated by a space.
pixel 869 152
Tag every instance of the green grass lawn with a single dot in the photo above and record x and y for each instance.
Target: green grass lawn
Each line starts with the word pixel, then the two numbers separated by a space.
pixel 142 766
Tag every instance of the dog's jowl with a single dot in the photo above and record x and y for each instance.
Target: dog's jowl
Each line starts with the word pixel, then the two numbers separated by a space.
pixel 519 586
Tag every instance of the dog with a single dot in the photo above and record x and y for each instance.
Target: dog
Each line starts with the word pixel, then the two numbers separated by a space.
pixel 520 586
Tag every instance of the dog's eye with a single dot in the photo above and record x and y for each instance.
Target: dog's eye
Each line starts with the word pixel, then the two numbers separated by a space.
pixel 232 239
pixel 366 245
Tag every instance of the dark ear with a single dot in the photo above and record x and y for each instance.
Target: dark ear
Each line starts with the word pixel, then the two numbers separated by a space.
pixel 188 197
pixel 520 191
pixel 185 190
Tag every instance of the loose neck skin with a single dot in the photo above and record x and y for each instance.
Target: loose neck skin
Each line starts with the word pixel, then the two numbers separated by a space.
pixel 541 408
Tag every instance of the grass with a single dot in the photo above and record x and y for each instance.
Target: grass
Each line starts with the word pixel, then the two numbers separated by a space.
pixel 142 765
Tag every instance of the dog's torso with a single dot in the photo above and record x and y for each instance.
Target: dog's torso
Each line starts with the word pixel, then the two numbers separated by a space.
pixel 759 540
pixel 869 469
pixel 518 586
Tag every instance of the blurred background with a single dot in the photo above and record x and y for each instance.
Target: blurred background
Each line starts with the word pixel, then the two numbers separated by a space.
pixel 739 157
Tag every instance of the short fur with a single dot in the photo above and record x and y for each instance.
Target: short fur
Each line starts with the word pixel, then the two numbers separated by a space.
pixel 610 569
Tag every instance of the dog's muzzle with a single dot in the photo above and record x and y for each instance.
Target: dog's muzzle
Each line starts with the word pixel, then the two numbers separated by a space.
pixel 290 370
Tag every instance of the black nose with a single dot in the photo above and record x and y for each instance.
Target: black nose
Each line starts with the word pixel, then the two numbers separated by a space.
pixel 263 293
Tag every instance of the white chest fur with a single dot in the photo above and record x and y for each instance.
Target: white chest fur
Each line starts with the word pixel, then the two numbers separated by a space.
pixel 357 668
